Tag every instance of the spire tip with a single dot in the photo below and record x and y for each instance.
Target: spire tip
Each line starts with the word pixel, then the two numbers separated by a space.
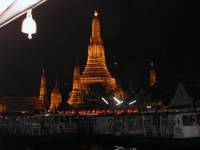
pixel 152 64
pixel 95 13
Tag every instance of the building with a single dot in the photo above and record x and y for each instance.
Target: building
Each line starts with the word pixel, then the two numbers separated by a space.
pixel 152 77
pixel 25 104
pixel 96 80
pixel 56 98
pixel 20 105
pixel 182 98
pixel 43 92
pixel 75 95
pixel 2 107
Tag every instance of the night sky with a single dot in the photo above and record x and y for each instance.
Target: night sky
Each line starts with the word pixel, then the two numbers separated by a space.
pixel 135 32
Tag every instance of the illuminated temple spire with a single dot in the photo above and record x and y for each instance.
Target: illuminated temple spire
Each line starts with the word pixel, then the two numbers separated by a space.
pixel 96 31
pixel 152 78
pixel 95 74
pixel 75 95
pixel 96 70
pixel 76 78
pixel 56 98
pixel 43 93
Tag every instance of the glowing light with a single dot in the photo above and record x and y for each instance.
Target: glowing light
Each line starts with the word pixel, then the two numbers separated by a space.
pixel 152 64
pixel 148 107
pixel 29 25
pixel 95 13
pixel 47 115
pixel 132 102
pixel 104 100
pixel 13 9
pixel 118 147
pixel 117 101
pixel 23 112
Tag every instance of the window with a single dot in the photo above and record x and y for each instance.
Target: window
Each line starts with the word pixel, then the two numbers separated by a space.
pixel 188 120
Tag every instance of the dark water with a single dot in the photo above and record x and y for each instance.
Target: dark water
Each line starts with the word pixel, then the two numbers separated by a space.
pixel 14 145
pixel 62 146
pixel 83 146
pixel 81 143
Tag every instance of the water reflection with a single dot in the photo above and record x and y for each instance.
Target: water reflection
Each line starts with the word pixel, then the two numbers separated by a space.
pixel 86 146
pixel 123 148
pixel 94 146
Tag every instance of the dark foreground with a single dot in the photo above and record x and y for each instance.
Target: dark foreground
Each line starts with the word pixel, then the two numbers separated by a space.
pixel 73 142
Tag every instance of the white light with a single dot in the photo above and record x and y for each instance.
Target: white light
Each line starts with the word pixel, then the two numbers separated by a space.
pixel 152 64
pixel 115 63
pixel 118 147
pixel 148 107
pixel 47 115
pixel 29 25
pixel 104 100
pixel 95 13
pixel 23 112
pixel 13 9
pixel 132 102
pixel 118 101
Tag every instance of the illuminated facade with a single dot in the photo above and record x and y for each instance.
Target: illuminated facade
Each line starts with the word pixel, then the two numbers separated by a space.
pixel 95 72
pixel 42 95
pixel 2 107
pixel 152 78
pixel 56 98
pixel 75 95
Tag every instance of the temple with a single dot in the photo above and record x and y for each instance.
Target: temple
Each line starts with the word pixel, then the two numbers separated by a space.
pixel 75 95
pixel 56 99
pixel 96 80
pixel 43 91
pixel 152 78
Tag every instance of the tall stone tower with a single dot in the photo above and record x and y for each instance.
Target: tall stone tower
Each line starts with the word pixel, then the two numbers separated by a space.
pixel 43 93
pixel 152 77
pixel 56 98
pixel 96 71
pixel 75 95
pixel 96 80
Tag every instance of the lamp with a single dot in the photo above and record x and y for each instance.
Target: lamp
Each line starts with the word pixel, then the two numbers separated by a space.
pixel 29 25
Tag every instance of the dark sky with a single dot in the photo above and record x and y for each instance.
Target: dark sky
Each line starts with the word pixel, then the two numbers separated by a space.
pixel 134 32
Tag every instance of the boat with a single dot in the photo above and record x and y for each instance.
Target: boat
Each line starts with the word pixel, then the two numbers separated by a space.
pixel 142 124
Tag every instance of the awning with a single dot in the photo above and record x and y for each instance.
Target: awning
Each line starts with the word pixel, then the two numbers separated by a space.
pixel 12 9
